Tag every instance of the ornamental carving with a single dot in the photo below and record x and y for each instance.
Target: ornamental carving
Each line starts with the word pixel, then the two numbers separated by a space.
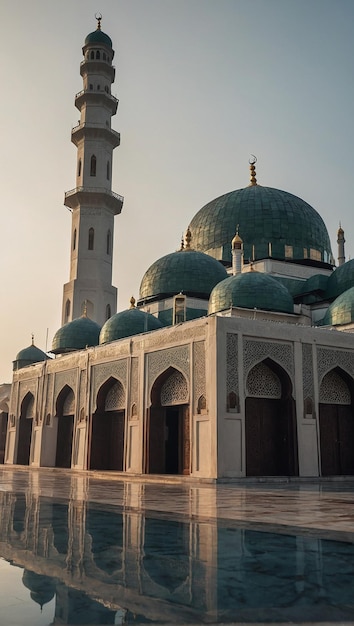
pixel 174 390
pixel 282 353
pixel 67 377
pixel 27 386
pixel 49 393
pixel 172 335
pixel 262 382
pixel 231 364
pixel 134 382
pixel 69 404
pixel 199 381
pixel 104 371
pixel 329 359
pixel 334 390
pixel 161 360
pixel 307 371
pixel 115 399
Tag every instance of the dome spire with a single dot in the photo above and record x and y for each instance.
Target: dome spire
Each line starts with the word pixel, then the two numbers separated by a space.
pixel 237 253
pixel 253 180
pixel 98 17
pixel 132 302
pixel 188 238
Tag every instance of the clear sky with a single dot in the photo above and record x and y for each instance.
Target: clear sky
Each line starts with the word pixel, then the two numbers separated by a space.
pixel 202 85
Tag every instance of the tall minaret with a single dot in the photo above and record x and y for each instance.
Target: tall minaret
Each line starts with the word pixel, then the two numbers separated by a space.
pixel 92 202
pixel 340 242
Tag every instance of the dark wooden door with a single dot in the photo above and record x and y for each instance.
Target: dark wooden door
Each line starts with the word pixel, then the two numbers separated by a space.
pixel 337 440
pixel 3 431
pixel 64 441
pixel 270 446
pixel 24 440
pixel 156 441
pixel 107 441
pixel 116 440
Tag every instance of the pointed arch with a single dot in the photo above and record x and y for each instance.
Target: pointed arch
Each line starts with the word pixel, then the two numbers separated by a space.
pixel 270 422
pixel 93 165
pixel 106 451
pixel 64 414
pixel 67 310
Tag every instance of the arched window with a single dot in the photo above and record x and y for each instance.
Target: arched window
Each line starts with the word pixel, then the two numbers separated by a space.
pixel 79 168
pixel 109 242
pixel 104 56
pixel 98 55
pixel 74 239
pixel 91 238
pixel 108 170
pixel 93 166
pixel 108 311
pixel 67 310
pixel 92 55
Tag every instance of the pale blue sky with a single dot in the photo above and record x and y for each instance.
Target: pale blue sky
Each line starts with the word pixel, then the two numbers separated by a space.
pixel 202 84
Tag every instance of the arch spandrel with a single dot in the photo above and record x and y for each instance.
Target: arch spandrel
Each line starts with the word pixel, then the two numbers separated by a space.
pixel 336 387
pixel 65 401
pixel 268 379
pixel 111 396
pixel 279 353
pixel 170 388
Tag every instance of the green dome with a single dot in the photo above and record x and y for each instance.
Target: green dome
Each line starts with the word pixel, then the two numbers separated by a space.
pixel 186 271
pixel 265 216
pixel 28 356
pixel 42 587
pixel 98 37
pixel 341 311
pixel 341 279
pixel 251 290
pixel 76 335
pixel 127 323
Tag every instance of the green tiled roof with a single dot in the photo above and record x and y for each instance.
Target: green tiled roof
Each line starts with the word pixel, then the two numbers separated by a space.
pixel 98 37
pixel 264 216
pixel 76 335
pixel 341 311
pixel 341 279
pixel 186 271
pixel 251 290
pixel 128 323
pixel 28 356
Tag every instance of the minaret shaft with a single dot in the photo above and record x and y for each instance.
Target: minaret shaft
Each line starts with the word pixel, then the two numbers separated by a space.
pixel 92 202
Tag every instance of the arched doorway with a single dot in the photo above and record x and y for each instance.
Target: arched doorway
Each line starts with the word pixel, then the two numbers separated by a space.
pixel 271 437
pixel 4 416
pixel 25 430
pixel 107 436
pixel 336 424
pixel 65 409
pixel 168 436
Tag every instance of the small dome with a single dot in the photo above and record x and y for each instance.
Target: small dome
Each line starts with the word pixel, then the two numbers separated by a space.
pixel 294 230
pixel 127 323
pixel 98 37
pixel 341 311
pixel 76 335
pixel 341 279
pixel 186 271
pixel 42 587
pixel 28 356
pixel 251 290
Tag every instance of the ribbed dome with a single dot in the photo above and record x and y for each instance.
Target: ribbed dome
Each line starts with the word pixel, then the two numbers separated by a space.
pixel 341 279
pixel 28 356
pixel 264 216
pixel 76 335
pixel 341 311
pixel 251 290
pixel 98 37
pixel 127 323
pixel 186 271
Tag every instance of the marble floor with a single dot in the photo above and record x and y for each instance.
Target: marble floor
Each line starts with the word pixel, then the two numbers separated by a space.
pixel 169 550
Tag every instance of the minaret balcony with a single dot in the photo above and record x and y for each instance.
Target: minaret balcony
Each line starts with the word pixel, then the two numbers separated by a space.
pixel 96 97
pixel 90 130
pixel 96 66
pixel 94 197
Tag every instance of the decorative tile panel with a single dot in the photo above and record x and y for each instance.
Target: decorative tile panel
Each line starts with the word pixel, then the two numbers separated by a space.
pixel 199 377
pixel 101 373
pixel 281 353
pixel 232 364
pixel 333 390
pixel 329 359
pixel 115 399
pixel 174 390
pixel 307 371
pixel 161 360
pixel 262 382
pixel 67 377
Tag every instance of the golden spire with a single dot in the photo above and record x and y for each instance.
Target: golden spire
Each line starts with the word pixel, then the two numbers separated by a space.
pixel 237 241
pixel 188 238
pixel 132 302
pixel 252 161
pixel 182 243
pixel 98 17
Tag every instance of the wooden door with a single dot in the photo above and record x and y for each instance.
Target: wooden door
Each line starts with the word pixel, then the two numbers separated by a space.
pixel 156 441
pixel 337 440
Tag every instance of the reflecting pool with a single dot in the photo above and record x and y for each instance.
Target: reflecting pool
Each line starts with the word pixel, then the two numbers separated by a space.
pixel 78 562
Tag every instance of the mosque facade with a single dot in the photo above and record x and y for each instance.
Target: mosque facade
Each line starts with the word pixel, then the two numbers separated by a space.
pixel 236 360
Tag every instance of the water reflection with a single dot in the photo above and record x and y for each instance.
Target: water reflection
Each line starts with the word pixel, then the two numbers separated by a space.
pixel 120 566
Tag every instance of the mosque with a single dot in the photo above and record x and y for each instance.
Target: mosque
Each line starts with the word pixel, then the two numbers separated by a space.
pixel 236 360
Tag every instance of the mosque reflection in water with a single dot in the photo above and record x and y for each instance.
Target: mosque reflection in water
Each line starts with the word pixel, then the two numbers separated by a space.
pixel 115 566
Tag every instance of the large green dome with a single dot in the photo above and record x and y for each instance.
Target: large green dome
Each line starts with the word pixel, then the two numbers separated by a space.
pixel 187 271
pixel 271 223
pixel 251 290
pixel 341 279
pixel 127 323
pixel 76 335
pixel 341 311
